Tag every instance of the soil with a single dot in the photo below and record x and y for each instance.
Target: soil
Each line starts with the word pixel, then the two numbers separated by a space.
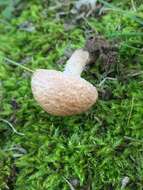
pixel 103 50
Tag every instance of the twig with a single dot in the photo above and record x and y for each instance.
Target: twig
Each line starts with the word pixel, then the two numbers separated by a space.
pixel 135 74
pixel 18 64
pixel 11 126
pixel 70 185
pixel 131 110
pixel 19 149
pixel 106 78
pixel 98 120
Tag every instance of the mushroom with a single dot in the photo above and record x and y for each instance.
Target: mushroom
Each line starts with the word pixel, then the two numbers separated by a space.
pixel 65 93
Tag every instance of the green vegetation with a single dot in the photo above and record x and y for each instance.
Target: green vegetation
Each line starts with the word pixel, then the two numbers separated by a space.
pixel 94 150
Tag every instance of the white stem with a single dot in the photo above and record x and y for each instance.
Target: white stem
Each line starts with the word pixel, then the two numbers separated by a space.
pixel 77 62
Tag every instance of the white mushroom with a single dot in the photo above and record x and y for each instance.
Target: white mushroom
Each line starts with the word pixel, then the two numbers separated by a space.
pixel 65 93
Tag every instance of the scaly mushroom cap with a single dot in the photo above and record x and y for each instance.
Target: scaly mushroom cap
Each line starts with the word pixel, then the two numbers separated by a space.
pixel 61 94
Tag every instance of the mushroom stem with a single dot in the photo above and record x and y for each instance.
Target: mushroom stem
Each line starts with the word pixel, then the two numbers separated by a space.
pixel 77 62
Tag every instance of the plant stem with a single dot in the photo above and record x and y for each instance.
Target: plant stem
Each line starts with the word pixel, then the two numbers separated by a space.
pixel 18 64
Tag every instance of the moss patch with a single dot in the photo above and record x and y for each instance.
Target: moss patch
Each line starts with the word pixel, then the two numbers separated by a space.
pixel 94 150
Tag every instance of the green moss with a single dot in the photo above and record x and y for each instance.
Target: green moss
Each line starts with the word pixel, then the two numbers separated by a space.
pixel 97 148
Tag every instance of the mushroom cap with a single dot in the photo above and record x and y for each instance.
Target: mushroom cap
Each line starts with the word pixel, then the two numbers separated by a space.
pixel 61 94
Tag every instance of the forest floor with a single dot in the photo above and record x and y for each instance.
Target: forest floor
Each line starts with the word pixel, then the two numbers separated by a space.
pixel 101 149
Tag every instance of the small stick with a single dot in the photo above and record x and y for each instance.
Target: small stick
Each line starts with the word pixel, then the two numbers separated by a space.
pixel 135 74
pixel 11 126
pixel 18 64
pixel 70 185
pixel 106 78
